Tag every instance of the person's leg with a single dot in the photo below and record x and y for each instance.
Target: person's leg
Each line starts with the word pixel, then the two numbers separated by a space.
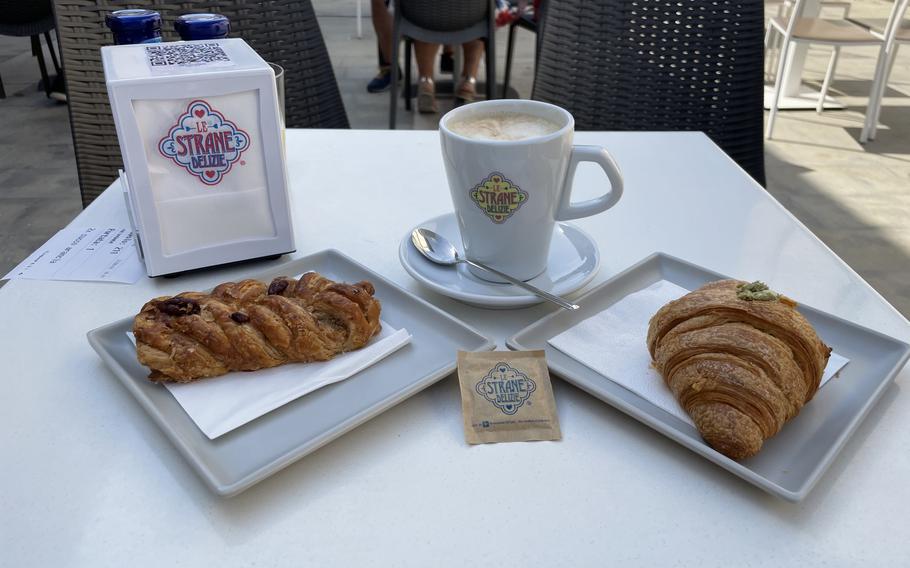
pixel 467 87
pixel 473 51
pixel 382 25
pixel 426 91
pixel 426 58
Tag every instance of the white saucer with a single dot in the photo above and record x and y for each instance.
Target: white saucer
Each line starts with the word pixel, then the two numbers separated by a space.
pixel 573 262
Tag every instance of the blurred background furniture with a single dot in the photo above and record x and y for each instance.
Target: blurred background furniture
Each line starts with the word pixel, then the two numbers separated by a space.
pixel 527 20
pixel 772 48
pixel 32 19
pixel 281 31
pixel 796 95
pixel 450 22
pixel 794 29
pixel 659 65
pixel 893 32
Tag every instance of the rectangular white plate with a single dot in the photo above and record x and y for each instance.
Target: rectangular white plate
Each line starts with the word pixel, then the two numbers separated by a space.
pixel 790 463
pixel 249 454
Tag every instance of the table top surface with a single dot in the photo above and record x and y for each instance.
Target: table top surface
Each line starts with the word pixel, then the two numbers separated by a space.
pixel 88 479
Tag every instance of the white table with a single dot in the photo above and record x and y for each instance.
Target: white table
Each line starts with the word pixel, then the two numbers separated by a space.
pixel 87 479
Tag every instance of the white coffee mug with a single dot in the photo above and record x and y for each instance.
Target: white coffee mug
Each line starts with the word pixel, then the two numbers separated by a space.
pixel 508 194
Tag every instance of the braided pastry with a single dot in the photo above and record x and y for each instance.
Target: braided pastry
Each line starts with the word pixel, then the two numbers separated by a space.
pixel 740 359
pixel 250 325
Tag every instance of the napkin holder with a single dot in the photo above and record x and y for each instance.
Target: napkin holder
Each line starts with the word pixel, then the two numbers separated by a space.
pixel 200 134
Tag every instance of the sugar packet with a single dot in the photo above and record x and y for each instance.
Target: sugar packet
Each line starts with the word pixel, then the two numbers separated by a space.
pixel 506 396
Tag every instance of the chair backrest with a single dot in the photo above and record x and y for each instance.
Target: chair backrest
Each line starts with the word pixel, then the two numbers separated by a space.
pixel 446 16
pixel 793 11
pixel 659 65
pixel 281 31
pixel 18 17
pixel 894 30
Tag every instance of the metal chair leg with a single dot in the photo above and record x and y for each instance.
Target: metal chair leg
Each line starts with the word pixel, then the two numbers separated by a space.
pixel 39 53
pixel 887 55
pixel 510 47
pixel 50 47
pixel 490 49
pixel 829 74
pixel 893 56
pixel 393 69
pixel 408 46
pixel 768 63
pixel 775 100
pixel 774 41
pixel 882 88
pixel 875 96
pixel 359 17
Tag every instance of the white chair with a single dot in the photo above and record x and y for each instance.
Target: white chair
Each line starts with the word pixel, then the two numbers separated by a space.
pixel 783 10
pixel 893 32
pixel 796 29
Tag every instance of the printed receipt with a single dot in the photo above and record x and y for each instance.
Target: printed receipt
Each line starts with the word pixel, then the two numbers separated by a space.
pixel 89 254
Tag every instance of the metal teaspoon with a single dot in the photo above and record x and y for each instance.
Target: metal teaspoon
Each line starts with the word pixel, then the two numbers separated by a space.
pixel 438 249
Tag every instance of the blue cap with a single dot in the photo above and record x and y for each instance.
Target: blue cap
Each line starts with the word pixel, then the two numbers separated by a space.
pixel 133 21
pixel 202 26
pixel 134 25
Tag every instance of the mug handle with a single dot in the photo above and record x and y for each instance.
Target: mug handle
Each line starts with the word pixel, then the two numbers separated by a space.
pixel 568 210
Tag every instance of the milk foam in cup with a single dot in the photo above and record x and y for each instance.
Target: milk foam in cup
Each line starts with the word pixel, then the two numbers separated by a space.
pixel 503 126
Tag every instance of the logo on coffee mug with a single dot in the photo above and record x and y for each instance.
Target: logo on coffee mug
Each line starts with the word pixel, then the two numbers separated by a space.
pixel 498 197
pixel 204 142
pixel 506 388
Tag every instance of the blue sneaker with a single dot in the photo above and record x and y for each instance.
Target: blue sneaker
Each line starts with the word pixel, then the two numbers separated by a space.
pixel 381 81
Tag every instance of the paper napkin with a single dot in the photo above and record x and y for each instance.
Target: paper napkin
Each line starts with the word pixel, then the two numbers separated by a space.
pixel 614 343
pixel 221 404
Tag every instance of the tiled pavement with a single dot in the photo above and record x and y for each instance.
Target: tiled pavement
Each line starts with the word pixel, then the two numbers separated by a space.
pixel 39 192
pixel 855 198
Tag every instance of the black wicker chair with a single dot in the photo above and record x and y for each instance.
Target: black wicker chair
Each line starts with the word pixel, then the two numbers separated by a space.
pixel 659 65
pixel 30 19
pixel 281 31
pixel 451 22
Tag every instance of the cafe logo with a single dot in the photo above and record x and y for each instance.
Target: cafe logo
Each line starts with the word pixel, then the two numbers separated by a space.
pixel 204 143
pixel 498 197
pixel 506 388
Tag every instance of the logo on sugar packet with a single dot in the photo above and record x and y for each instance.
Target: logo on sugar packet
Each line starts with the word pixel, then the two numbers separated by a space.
pixel 498 197
pixel 204 143
pixel 506 388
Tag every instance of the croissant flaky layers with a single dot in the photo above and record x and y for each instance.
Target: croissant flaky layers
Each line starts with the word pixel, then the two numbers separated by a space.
pixel 250 325
pixel 740 359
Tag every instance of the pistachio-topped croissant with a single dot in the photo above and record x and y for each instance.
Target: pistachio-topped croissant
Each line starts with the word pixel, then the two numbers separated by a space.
pixel 740 359
pixel 249 325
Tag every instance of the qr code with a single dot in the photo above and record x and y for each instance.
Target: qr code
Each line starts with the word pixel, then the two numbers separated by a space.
pixel 185 54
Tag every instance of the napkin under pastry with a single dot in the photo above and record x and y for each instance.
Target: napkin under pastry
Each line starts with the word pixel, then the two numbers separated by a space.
pixel 220 404
pixel 614 344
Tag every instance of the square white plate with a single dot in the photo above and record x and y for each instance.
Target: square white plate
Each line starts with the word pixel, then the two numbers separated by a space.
pixel 249 454
pixel 791 462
